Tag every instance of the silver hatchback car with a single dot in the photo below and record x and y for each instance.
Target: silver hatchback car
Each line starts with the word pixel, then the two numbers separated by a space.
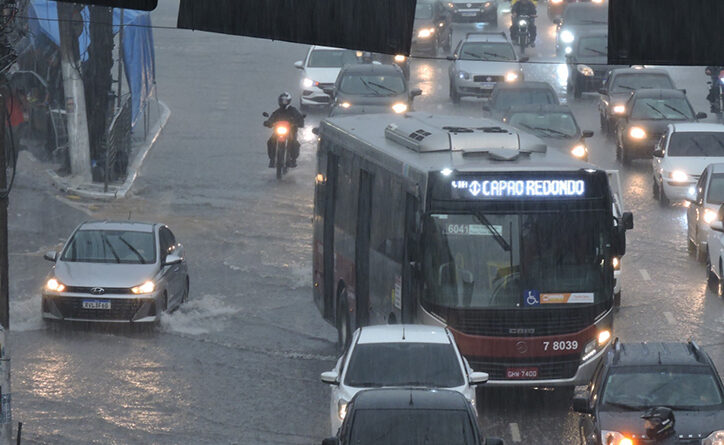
pixel 116 272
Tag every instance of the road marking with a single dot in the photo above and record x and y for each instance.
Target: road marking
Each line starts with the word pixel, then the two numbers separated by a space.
pixel 645 274
pixel 515 432
pixel 670 318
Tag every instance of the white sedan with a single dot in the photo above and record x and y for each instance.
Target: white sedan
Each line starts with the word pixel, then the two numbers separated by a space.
pixel 319 72
pixel 399 356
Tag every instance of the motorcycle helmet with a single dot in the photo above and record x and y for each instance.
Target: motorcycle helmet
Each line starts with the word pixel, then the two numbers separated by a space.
pixel 659 423
pixel 285 99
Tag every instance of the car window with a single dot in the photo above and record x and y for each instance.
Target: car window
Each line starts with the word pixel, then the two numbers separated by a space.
pixel 594 46
pixel 412 427
pixel 486 51
pixel 672 386
pixel 111 246
pixel 404 364
pixel 372 85
pixel 167 241
pixel 331 58
pixel 630 82
pixel 557 125
pixel 669 108
pixel 716 189
pixel 508 98
pixel 696 143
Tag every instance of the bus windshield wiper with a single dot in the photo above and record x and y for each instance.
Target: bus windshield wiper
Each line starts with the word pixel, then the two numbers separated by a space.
pixel 110 246
pixel 498 237
pixel 133 249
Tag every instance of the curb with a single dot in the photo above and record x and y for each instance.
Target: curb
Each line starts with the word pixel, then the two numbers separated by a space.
pixel 65 185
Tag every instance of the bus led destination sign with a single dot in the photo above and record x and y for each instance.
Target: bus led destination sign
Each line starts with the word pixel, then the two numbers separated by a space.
pixel 519 188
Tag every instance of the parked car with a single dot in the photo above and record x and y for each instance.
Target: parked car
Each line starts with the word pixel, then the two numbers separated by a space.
pixel 372 88
pixel 399 356
pixel 507 95
pixel 588 62
pixel 704 201
pixel 635 377
pixel 410 417
pixel 320 69
pixel 475 11
pixel 432 28
pixel 645 119
pixel 579 17
pixel 116 272
pixel 554 124
pixel 618 86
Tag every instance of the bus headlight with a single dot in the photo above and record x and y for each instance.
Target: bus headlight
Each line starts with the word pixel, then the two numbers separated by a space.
pixel 709 217
pixel 399 107
pixel 566 36
pixel 579 151
pixel 679 176
pixel 54 285
pixel 585 70
pixel 341 409
pixel 511 76
pixel 715 438
pixel 637 133
pixel 619 109
pixel 603 337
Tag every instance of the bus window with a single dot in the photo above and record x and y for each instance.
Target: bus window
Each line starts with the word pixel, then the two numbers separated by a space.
pixel 388 232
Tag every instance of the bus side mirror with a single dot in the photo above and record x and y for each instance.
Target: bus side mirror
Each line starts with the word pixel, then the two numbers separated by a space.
pixel 627 220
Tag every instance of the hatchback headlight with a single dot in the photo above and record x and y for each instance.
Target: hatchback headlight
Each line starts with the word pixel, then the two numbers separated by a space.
pixel 511 76
pixel 585 70
pixel 308 83
pixel 54 285
pixel 145 288
pixel 679 176
pixel 709 216
pixel 637 133
pixel 341 409
pixel 566 36
pixel 715 438
pixel 399 107
pixel 579 151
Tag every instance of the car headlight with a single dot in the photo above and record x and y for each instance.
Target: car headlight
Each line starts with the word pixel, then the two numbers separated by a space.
pixel 308 83
pixel 566 36
pixel 715 438
pixel 54 285
pixel 679 176
pixel 614 438
pixel 597 1
pixel 579 151
pixel 619 109
pixel 637 133
pixel 522 23
pixel 345 104
pixel 424 34
pixel 568 50
pixel 616 263
pixel 463 75
pixel 399 58
pixel 145 288
pixel 341 409
pixel 709 217
pixel 450 5
pixel 487 4
pixel 399 107
pixel 511 76
pixel 585 70
pixel 555 2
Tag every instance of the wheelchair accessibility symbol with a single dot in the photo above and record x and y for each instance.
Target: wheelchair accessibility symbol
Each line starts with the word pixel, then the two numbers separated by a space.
pixel 532 298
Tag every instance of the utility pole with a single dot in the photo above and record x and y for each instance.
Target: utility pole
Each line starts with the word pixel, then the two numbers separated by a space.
pixel 75 106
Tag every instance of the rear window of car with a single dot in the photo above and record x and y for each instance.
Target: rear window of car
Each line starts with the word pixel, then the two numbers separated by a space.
pixel 630 82
pixel 404 364
pixel 716 189
pixel 412 427
pixel 509 98
pixel 696 143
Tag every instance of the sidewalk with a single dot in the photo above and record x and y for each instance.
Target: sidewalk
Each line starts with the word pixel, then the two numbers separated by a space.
pixel 115 191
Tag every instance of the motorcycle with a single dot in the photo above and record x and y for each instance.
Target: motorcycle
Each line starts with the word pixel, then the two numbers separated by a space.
pixel 282 136
pixel 523 35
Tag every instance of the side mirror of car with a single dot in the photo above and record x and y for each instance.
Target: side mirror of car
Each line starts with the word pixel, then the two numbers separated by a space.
pixel 603 91
pixel 717 226
pixel 265 114
pixel 299 65
pixel 478 378
pixel 315 131
pixel 627 220
pixel 172 259
pixel 453 57
pixel 580 405
pixel 658 152
pixel 493 441
pixel 330 378
pixel 51 255
pixel 701 115
pixel 524 59
pixel 416 92
pixel 587 133
pixel 330 441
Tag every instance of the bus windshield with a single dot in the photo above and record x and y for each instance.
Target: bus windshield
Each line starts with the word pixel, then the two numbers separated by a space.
pixel 477 260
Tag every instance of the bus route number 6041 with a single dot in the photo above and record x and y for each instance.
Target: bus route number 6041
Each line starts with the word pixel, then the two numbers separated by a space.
pixel 563 345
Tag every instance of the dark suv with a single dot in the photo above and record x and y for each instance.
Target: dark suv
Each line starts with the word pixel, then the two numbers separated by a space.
pixel 635 377
pixel 409 417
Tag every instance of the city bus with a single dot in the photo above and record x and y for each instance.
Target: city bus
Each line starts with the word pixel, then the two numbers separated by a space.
pixel 470 224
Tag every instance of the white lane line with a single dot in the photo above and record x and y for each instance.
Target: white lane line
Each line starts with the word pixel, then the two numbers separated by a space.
pixel 515 432
pixel 645 274
pixel 670 318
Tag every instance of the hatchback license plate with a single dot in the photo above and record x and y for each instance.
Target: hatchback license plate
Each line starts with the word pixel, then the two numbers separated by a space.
pixel 487 85
pixel 97 304
pixel 521 373
pixel 468 14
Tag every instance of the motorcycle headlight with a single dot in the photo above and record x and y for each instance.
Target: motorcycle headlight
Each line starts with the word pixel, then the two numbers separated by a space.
pixel 511 76
pixel 54 285
pixel 399 107
pixel 522 22
pixel 566 36
pixel 614 438
pixel 464 75
pixel 715 438
pixel 145 288
pixel 637 133
pixel 345 105
pixel 709 216
pixel 619 109
pixel 425 33
pixel 585 70
pixel 579 151
pixel 341 409
pixel 679 176
pixel 616 263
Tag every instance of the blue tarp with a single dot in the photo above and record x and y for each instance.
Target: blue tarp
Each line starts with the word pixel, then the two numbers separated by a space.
pixel 138 53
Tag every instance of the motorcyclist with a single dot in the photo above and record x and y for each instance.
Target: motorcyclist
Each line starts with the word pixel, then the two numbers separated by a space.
pixel 523 7
pixel 713 96
pixel 285 112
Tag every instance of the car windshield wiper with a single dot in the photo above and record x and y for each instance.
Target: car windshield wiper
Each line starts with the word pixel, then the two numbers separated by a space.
pixel 656 110
pixel 110 246
pixel 625 406
pixel 625 86
pixel 369 87
pixel 499 56
pixel 498 237
pixel 594 50
pixel 133 249
pixel 676 110
pixel 548 130
pixel 701 149
pixel 392 92
pixel 477 56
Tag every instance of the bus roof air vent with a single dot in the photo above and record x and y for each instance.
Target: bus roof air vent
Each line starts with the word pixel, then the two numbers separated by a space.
pixel 410 135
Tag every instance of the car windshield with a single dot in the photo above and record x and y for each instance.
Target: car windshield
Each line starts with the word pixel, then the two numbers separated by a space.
pixel 487 51
pixel 474 261
pixel 556 125
pixel 404 364
pixel 668 108
pixel 411 427
pixel 372 85
pixel 331 58
pixel 623 83
pixel 594 46
pixel 586 15
pixel 716 189
pixel 528 96
pixel 697 143
pixel 672 386
pixel 423 11
pixel 111 246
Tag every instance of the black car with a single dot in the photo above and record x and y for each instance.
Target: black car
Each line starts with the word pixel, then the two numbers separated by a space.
pixel 464 11
pixel 588 62
pixel 409 417
pixel 647 113
pixel 617 88
pixel 509 94
pixel 635 377
pixel 577 18
pixel 372 88
pixel 432 28
pixel 554 124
